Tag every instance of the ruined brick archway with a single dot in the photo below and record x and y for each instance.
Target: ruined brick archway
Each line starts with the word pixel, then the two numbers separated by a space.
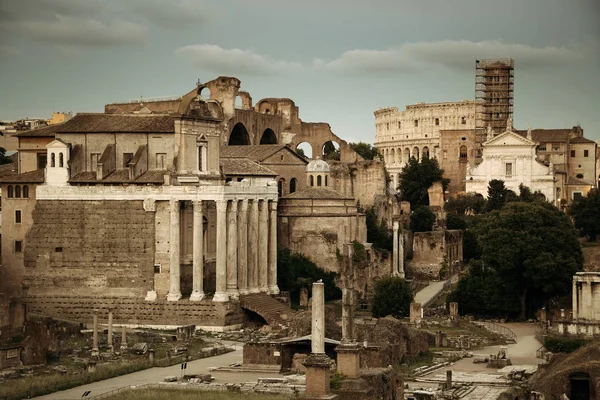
pixel 268 137
pixel 239 135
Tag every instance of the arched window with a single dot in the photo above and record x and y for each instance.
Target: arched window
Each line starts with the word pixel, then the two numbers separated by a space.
pixel 325 180
pixel 60 160
pixel 17 192
pixel 52 160
pixel 463 152
pixel 318 180
pixel 312 180
pixel 292 185
pixel 9 191
pixel 25 191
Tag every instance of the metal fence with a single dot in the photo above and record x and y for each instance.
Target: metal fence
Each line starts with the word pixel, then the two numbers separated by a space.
pixel 499 329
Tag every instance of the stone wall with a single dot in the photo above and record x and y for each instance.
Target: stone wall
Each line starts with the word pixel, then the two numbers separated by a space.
pixel 84 248
pixel 204 314
pixel 362 180
pixel 262 354
pixel 591 257
pixel 455 166
pixel 429 249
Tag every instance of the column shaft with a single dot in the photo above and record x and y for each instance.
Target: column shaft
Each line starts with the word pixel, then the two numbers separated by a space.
pixel 221 267
pixel 272 275
pixel 198 253
pixel 574 298
pixel 263 246
pixel 253 247
pixel 395 262
pixel 110 331
pixel 318 319
pixel 174 256
pixel 243 248
pixel 232 247
pixel 401 254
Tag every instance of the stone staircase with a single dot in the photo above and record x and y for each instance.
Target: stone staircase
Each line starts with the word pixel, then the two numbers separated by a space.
pixel 272 310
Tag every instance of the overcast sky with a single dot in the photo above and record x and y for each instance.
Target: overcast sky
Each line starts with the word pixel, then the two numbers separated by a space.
pixel 339 60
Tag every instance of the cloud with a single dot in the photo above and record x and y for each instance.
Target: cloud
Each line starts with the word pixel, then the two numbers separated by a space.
pixel 171 14
pixel 414 57
pixel 233 61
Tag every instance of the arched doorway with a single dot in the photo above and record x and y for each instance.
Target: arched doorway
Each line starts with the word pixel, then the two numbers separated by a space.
pixel 239 136
pixel 330 150
pixel 268 137
pixel 304 149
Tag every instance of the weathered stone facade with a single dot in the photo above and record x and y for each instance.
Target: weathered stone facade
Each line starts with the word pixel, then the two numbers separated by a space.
pixel 431 248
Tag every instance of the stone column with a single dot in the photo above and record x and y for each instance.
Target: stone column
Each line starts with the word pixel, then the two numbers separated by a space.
pixel 272 275
pixel 401 255
pixel 243 248
pixel 263 246
pixel 174 256
pixel 95 335
pixel 123 337
pixel 575 298
pixel 198 253
pixel 589 297
pixel 232 247
pixel 318 318
pixel 110 331
pixel 221 281
pixel 395 262
pixel 253 247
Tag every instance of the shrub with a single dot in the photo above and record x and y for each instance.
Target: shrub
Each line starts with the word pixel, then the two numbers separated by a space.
pixel 393 296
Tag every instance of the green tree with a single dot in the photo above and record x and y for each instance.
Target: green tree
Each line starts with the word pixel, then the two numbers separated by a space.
pixel 295 271
pixel 454 221
pixel 529 252
pixel 422 219
pixel 416 177
pixel 586 214
pixel 393 296
pixel 301 152
pixel 377 231
pixel 497 194
pixel 330 152
pixel 3 158
pixel 365 150
pixel 465 204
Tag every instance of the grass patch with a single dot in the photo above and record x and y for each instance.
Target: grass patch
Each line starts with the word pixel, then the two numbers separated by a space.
pixel 424 358
pixel 190 394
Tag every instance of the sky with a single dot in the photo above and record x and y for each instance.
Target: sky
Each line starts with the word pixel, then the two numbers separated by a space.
pixel 339 60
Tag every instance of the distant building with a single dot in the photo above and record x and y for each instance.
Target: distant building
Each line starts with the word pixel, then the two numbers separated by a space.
pixel 59 118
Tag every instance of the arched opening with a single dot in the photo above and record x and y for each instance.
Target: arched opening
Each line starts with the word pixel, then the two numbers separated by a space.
pixel 326 183
pixel 426 151
pixel 204 93
pixel 60 159
pixel 406 154
pixel 52 160
pixel 330 151
pixel 415 153
pixel 265 108
pixel 25 191
pixel 280 186
pixel 9 192
pixel 238 102
pixel 292 185
pixel 239 136
pixel 463 152
pixel 304 149
pixel 268 137
pixel 312 180
pixel 579 383
pixel 392 156
pixel 318 180
pixel 17 192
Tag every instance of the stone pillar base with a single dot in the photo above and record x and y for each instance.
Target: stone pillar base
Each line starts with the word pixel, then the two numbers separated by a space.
pixel 233 294
pixel 197 296
pixel 254 290
pixel 95 353
pixel 318 375
pixel 173 296
pixel 348 360
pixel 220 297
pixel 151 295
pixel 274 290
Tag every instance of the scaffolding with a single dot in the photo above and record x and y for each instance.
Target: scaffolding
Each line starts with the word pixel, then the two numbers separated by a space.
pixel 494 81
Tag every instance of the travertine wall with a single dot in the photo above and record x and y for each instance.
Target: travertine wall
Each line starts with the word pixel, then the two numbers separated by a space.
pixel 455 166
pixel 84 248
pixel 362 180
pixel 429 249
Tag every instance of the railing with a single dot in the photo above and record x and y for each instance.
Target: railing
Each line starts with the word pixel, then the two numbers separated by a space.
pixel 499 329
pixel 541 353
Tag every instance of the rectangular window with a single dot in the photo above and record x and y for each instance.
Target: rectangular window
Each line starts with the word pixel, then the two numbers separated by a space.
pixel 17 216
pixel 398 124
pixel 586 153
pixel 509 170
pixel 437 122
pixel 157 268
pixel 542 147
pixel 416 122
pixel 94 157
pixel 127 157
pixel 577 195
pixel 160 160
pixel 42 158
pixel 18 246
pixel 572 153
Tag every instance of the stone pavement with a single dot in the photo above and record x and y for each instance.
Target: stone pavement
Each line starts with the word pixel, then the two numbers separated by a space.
pixel 427 294
pixel 154 375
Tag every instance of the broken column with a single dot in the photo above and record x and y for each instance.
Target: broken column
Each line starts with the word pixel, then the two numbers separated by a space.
pixel 454 312
pixel 124 338
pixel 448 379
pixel 317 363
pixel 416 313
pixel 95 350
pixel 110 331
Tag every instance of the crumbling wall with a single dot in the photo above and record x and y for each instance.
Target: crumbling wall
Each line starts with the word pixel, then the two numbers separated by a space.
pixel 591 257
pixel 363 180
pixel 429 249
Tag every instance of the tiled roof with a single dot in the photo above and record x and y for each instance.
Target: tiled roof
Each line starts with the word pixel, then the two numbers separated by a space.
pixel 120 176
pixel 7 170
pixel 256 153
pixel 243 166
pixel 84 177
pixel 547 135
pixel 46 131
pixel 574 181
pixel 108 123
pixel 36 176
pixel 581 139
pixel 164 106
pixel 155 176
pixel 318 192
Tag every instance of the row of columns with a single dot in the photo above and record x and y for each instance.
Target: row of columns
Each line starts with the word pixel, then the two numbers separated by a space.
pixel 246 241
pixel 583 298
pixel 400 156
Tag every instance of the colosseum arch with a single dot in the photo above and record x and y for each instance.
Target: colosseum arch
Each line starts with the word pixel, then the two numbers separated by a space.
pixel 268 137
pixel 415 153
pixel 406 154
pixel 239 136
pixel 306 149
pixel 426 152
